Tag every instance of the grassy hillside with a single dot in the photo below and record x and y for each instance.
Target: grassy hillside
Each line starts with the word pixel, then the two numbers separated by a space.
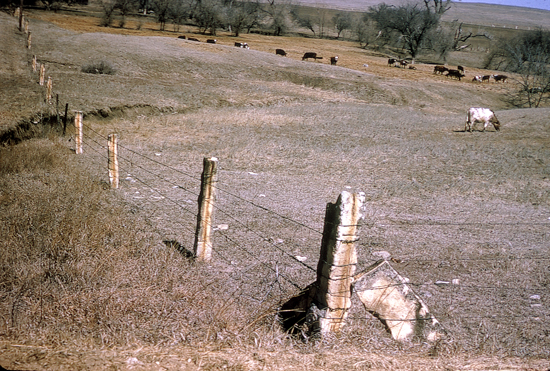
pixel 95 278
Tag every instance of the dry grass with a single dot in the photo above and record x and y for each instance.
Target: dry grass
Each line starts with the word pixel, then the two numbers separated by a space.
pixel 80 284
pixel 75 260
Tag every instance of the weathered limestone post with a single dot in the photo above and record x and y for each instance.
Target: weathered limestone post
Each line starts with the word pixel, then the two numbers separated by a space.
pixel 338 261
pixel 42 74
pixel 29 40
pixel 34 63
pixel 384 292
pixel 78 132
pixel 49 86
pixel 203 244
pixel 113 160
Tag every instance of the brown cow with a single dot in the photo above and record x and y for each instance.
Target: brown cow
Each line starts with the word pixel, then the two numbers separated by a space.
pixel 440 69
pixel 500 78
pixel 333 60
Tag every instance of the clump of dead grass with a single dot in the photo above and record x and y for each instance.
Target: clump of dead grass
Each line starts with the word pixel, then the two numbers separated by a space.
pixel 99 67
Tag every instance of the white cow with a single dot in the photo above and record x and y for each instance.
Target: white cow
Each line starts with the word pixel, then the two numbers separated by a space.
pixel 481 115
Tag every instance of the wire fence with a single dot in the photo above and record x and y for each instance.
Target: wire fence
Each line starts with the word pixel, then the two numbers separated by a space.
pixel 236 247
pixel 271 256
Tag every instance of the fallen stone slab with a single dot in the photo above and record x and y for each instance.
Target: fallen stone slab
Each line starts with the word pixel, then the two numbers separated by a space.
pixel 388 296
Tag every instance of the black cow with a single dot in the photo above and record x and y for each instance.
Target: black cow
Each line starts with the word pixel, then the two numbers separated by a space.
pixel 333 60
pixel 309 55
pixel 211 41
pixel 455 74
pixel 242 45
pixel 280 52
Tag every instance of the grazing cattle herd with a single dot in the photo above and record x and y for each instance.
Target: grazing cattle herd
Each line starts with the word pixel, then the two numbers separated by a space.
pixel 475 115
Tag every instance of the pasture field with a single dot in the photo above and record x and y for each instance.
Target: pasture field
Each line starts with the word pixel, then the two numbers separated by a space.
pixel 94 278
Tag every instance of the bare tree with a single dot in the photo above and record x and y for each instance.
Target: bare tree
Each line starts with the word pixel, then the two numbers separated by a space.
pixel 438 6
pixel 366 32
pixel 243 15
pixel 529 56
pixel 278 13
pixel 108 9
pixel 179 11
pixel 321 19
pixel 302 20
pixel 411 22
pixel 125 7
pixel 342 22
pixel 209 16
pixel 162 11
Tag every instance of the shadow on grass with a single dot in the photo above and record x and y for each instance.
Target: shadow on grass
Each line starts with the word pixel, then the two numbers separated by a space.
pixel 182 250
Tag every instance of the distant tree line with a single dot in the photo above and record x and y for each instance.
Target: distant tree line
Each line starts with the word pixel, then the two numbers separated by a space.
pixel 208 15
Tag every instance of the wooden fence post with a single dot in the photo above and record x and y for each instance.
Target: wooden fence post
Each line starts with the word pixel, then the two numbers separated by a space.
pixel 42 74
pixel 29 40
pixel 203 243
pixel 338 260
pixel 113 160
pixel 34 63
pixel 57 119
pixel 65 119
pixel 26 26
pixel 78 132
pixel 49 86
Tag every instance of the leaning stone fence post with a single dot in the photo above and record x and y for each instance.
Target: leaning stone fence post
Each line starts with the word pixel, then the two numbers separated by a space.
pixel 338 260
